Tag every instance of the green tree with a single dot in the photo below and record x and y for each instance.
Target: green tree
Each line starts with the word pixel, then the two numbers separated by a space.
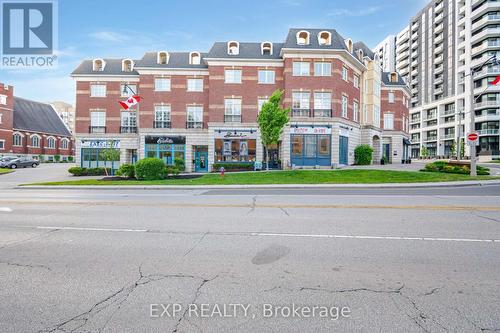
pixel 453 148
pixel 424 152
pixel 272 119
pixel 109 154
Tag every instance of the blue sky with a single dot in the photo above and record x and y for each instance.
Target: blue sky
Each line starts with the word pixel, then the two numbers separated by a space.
pixel 125 28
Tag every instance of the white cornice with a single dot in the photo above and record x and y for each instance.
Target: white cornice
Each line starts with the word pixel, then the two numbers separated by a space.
pixel 313 53
pixel 244 62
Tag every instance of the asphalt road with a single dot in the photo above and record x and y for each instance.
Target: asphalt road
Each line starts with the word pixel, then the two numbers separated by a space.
pixel 387 260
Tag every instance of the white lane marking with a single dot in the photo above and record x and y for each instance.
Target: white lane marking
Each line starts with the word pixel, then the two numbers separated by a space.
pixel 264 234
pixel 93 229
pixel 5 209
pixel 380 237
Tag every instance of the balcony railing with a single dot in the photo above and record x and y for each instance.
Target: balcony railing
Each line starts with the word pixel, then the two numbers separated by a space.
pixel 448 136
pixel 488 132
pixel 232 118
pixel 194 124
pixel 486 104
pixel 322 113
pixel 97 129
pixel 301 113
pixel 162 124
pixel 431 138
pixel 128 129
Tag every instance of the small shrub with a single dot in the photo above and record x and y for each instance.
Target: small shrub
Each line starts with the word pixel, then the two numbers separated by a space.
pixel 233 167
pixel 126 170
pixel 442 166
pixel 77 171
pixel 70 158
pixel 363 155
pixel 98 171
pixel 179 164
pixel 57 158
pixel 171 170
pixel 150 169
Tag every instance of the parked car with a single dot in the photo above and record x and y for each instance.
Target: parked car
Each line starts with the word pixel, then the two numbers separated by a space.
pixel 19 162
pixel 5 159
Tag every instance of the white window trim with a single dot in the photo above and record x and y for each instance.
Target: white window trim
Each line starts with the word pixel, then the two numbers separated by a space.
pixel 167 57
pixel 329 73
pixel 99 84
pixel 345 112
pixel 191 54
pixel 233 82
pixel 64 141
pixel 266 70
pixel 302 63
pixel 194 90
pixel 131 65
pixel 47 142
pixel 264 44
pixel 39 140
pixel 163 78
pixel 22 137
pixel 94 65
pixel 308 38
pixel 329 40
pixel 2 145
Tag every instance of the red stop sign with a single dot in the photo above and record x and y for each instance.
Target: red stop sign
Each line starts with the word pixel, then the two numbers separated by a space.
pixel 473 137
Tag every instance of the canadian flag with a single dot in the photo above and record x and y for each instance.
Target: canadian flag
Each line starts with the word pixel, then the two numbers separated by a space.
pixel 496 81
pixel 130 102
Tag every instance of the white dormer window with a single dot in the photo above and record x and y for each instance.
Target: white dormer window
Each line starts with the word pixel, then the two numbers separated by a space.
pixel 303 37
pixel 3 99
pixel 98 65
pixel 266 48
pixel 162 57
pixel 233 48
pixel 127 65
pixel 325 38
pixel 360 54
pixel 194 58
pixel 348 44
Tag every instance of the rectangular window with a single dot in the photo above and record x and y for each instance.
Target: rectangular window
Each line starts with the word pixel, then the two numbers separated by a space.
pixel 232 110
pixel 232 75
pixel 322 101
pixel 391 97
pixel 355 111
pixel 261 102
pixel 300 104
pixel 97 90
pixel 2 144
pixel 301 68
pixel 195 117
pixel 97 118
pixel 266 77
pixel 17 140
pixel 356 81
pixel 195 85
pixel 126 91
pixel 344 106
pixel 388 121
pixel 322 69
pixel 376 115
pixel 1 116
pixel 3 99
pixel 162 84
pixel 162 116
pixel 128 119
pixel 344 73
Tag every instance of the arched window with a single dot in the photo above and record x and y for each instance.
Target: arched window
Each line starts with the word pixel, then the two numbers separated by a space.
pixel 127 65
pixel 348 43
pixel 266 48
pixel 98 65
pixel 360 54
pixel 233 48
pixel 194 58
pixel 35 141
pixel 325 38
pixel 64 143
pixel 17 140
pixel 394 77
pixel 303 37
pixel 51 143
pixel 162 57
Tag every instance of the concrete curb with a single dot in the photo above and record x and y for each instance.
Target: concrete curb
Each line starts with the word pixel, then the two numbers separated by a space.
pixel 280 186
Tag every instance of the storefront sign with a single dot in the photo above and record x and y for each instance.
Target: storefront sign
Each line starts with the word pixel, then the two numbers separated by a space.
pixel 310 130
pixel 235 134
pixel 103 144
pixel 161 140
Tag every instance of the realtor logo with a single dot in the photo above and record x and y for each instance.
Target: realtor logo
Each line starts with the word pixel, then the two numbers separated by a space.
pixel 29 33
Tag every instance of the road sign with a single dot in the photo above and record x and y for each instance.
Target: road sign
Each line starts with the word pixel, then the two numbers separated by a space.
pixel 472 137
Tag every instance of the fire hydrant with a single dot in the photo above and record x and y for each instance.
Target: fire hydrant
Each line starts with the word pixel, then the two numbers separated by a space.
pixel 222 171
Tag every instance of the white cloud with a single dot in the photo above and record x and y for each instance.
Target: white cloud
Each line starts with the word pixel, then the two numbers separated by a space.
pixel 365 11
pixel 108 36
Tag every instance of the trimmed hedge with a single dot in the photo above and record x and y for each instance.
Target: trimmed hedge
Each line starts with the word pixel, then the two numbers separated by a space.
pixel 179 164
pixel 363 155
pixel 442 166
pixel 233 167
pixel 126 170
pixel 79 171
pixel 171 170
pixel 150 169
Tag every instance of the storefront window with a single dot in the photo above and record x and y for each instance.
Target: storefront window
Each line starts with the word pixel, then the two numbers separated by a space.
pixel 311 149
pixel 166 148
pixel 235 150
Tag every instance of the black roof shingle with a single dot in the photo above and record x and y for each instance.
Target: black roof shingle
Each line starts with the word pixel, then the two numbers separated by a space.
pixel 37 117
pixel 175 60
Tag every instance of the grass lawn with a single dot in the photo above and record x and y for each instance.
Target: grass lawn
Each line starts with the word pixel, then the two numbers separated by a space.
pixel 292 177
pixel 3 170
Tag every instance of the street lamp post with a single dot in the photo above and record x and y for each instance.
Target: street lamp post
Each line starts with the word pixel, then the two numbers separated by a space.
pixel 493 60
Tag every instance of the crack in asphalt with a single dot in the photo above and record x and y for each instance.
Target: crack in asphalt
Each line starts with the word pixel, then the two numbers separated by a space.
pixel 284 211
pixel 25 265
pixel 193 301
pixel 22 241
pixel 253 205
pixel 196 244
pixel 118 297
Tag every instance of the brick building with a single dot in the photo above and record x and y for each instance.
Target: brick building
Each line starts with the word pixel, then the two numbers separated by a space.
pixel 29 128
pixel 202 107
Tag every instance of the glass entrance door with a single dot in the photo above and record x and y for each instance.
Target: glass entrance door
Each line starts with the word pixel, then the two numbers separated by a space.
pixel 201 159
pixel 344 150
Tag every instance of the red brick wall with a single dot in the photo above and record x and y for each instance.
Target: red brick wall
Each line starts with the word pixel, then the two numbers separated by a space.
pixel 43 149
pixel 7 118
pixel 333 83
pixel 398 108
pixel 249 90
pixel 178 97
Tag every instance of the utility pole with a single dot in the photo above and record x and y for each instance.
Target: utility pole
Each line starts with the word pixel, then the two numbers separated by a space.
pixel 472 144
